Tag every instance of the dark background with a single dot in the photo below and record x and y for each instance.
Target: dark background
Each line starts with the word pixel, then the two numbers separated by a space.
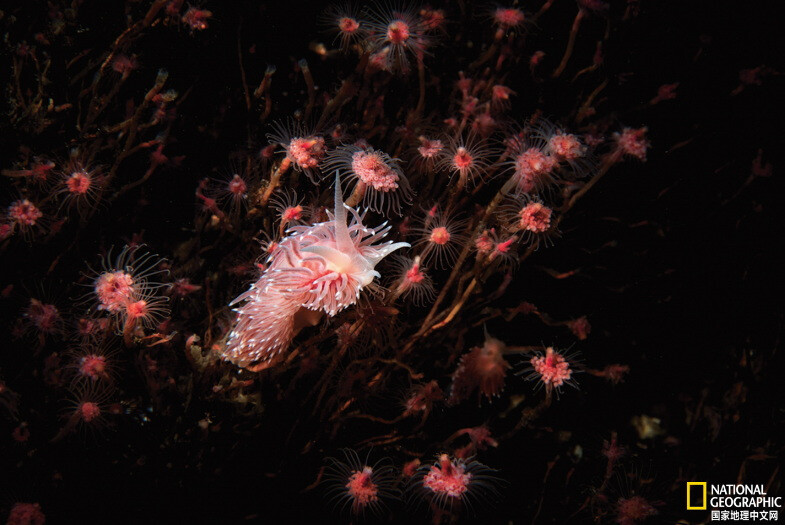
pixel 688 292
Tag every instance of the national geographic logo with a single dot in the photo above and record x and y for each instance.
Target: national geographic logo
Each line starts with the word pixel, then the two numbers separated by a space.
pixel 733 502
pixel 697 494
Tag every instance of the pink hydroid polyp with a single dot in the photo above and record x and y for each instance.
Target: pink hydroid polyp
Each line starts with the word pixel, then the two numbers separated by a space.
pixel 447 478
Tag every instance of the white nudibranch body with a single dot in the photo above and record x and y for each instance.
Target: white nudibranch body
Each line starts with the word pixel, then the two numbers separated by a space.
pixel 315 270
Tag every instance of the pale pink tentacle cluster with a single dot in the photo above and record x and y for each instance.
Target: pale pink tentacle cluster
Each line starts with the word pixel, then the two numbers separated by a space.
pixel 315 270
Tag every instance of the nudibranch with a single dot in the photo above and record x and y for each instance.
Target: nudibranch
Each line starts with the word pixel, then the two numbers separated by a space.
pixel 315 270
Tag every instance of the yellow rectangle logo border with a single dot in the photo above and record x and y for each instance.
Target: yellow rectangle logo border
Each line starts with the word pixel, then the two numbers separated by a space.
pixel 696 483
